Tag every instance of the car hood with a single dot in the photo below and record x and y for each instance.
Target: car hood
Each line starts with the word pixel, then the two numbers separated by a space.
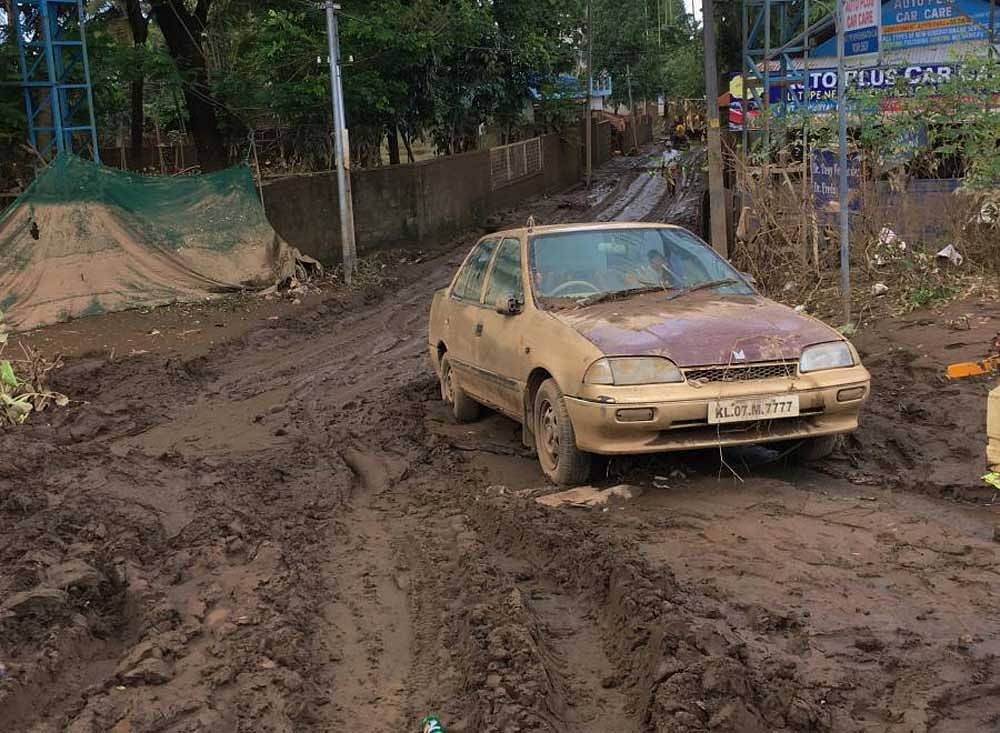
pixel 699 329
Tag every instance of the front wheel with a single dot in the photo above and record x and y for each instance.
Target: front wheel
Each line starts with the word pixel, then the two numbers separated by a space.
pixel 555 441
pixel 814 449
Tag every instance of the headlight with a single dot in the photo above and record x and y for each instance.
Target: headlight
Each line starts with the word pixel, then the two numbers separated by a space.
pixel 633 370
pixel 826 356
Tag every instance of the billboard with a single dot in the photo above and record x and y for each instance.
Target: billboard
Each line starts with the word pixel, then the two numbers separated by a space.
pixel 920 23
pixel 823 85
pixel 916 23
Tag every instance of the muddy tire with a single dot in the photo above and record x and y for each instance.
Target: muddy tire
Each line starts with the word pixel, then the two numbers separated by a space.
pixel 555 441
pixel 815 449
pixel 463 408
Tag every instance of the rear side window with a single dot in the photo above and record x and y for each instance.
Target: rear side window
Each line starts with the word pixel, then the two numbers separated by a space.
pixel 505 277
pixel 469 284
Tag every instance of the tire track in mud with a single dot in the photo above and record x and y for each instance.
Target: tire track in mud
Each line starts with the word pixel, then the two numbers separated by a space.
pixel 368 617
pixel 331 562
pixel 589 700
pixel 302 549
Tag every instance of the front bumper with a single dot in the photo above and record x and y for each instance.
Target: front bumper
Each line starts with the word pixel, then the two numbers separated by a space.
pixel 680 413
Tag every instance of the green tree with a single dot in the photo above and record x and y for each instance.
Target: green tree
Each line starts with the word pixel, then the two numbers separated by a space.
pixel 656 44
pixel 13 124
pixel 184 31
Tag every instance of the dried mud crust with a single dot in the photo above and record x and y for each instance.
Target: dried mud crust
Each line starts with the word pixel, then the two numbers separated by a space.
pixel 279 534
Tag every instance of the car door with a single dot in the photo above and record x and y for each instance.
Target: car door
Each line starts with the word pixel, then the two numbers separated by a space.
pixel 500 352
pixel 465 319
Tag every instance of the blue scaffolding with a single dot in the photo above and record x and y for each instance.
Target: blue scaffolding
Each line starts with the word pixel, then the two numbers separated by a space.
pixel 775 33
pixel 55 76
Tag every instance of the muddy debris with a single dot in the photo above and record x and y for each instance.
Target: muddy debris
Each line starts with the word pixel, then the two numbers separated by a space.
pixel 589 496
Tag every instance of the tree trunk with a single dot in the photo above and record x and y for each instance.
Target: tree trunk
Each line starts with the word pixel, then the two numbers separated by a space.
pixel 409 148
pixel 180 29
pixel 137 125
pixel 139 26
pixel 393 138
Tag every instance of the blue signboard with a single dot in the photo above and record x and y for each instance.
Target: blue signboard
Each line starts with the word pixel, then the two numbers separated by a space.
pixel 823 85
pixel 915 23
pixel 825 170
pixel 861 42
pixel 919 23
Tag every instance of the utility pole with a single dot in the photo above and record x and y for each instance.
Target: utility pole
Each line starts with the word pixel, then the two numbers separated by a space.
pixel 716 184
pixel 631 107
pixel 659 23
pixel 341 145
pixel 590 89
pixel 843 205
pixel 993 29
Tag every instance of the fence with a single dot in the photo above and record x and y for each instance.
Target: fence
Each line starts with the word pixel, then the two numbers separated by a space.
pixel 510 163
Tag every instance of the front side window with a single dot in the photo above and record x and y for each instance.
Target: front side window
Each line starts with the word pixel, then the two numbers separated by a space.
pixel 569 269
pixel 505 278
pixel 469 283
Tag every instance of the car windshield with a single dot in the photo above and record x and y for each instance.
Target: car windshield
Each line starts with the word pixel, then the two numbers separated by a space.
pixel 580 268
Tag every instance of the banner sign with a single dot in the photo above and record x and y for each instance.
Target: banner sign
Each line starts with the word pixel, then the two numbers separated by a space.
pixel 823 85
pixel 916 23
pixel 861 27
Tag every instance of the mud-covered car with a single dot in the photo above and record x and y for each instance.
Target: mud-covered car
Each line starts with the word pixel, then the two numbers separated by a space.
pixel 635 338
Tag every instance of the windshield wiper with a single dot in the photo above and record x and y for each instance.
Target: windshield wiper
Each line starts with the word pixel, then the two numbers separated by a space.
pixel 702 286
pixel 615 294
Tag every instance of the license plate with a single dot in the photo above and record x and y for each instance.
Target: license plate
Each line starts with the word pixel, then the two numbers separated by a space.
pixel 758 408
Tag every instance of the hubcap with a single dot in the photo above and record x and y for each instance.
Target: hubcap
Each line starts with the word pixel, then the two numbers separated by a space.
pixel 449 387
pixel 548 432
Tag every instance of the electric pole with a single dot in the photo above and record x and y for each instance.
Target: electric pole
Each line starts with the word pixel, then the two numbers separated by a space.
pixel 842 199
pixel 341 145
pixel 590 89
pixel 716 184
pixel 993 29
pixel 631 107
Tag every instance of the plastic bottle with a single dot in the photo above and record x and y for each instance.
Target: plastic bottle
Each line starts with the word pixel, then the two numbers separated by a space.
pixel 432 725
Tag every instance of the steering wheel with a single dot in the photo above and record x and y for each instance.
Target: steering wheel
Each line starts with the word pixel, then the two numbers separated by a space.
pixel 566 285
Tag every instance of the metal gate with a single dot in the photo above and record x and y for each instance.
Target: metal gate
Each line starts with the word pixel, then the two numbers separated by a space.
pixel 510 163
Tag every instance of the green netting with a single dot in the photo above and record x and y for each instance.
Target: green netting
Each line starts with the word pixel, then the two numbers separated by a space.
pixel 84 239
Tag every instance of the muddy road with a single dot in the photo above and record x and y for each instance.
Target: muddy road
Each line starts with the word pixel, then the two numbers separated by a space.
pixel 285 532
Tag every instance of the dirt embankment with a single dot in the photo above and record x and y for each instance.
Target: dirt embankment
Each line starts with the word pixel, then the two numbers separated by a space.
pixel 285 532
pixel 922 431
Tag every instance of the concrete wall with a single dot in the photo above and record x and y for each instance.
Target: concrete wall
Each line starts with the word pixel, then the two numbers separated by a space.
pixel 407 205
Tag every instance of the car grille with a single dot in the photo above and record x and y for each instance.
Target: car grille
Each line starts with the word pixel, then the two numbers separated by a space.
pixel 743 372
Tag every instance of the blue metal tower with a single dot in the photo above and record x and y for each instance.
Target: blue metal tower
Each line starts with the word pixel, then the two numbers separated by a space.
pixel 776 45
pixel 55 75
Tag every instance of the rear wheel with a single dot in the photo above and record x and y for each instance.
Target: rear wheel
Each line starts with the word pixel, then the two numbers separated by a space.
pixel 555 441
pixel 463 407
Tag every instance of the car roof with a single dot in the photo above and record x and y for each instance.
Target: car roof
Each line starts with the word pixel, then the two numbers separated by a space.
pixel 580 227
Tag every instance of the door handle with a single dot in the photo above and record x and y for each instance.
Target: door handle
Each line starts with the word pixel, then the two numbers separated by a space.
pixel 479 329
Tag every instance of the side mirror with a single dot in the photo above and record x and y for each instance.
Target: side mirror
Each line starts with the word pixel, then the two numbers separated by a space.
pixel 750 278
pixel 507 305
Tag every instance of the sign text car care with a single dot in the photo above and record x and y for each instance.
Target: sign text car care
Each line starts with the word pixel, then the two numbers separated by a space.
pixel 915 23
pixel 861 27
